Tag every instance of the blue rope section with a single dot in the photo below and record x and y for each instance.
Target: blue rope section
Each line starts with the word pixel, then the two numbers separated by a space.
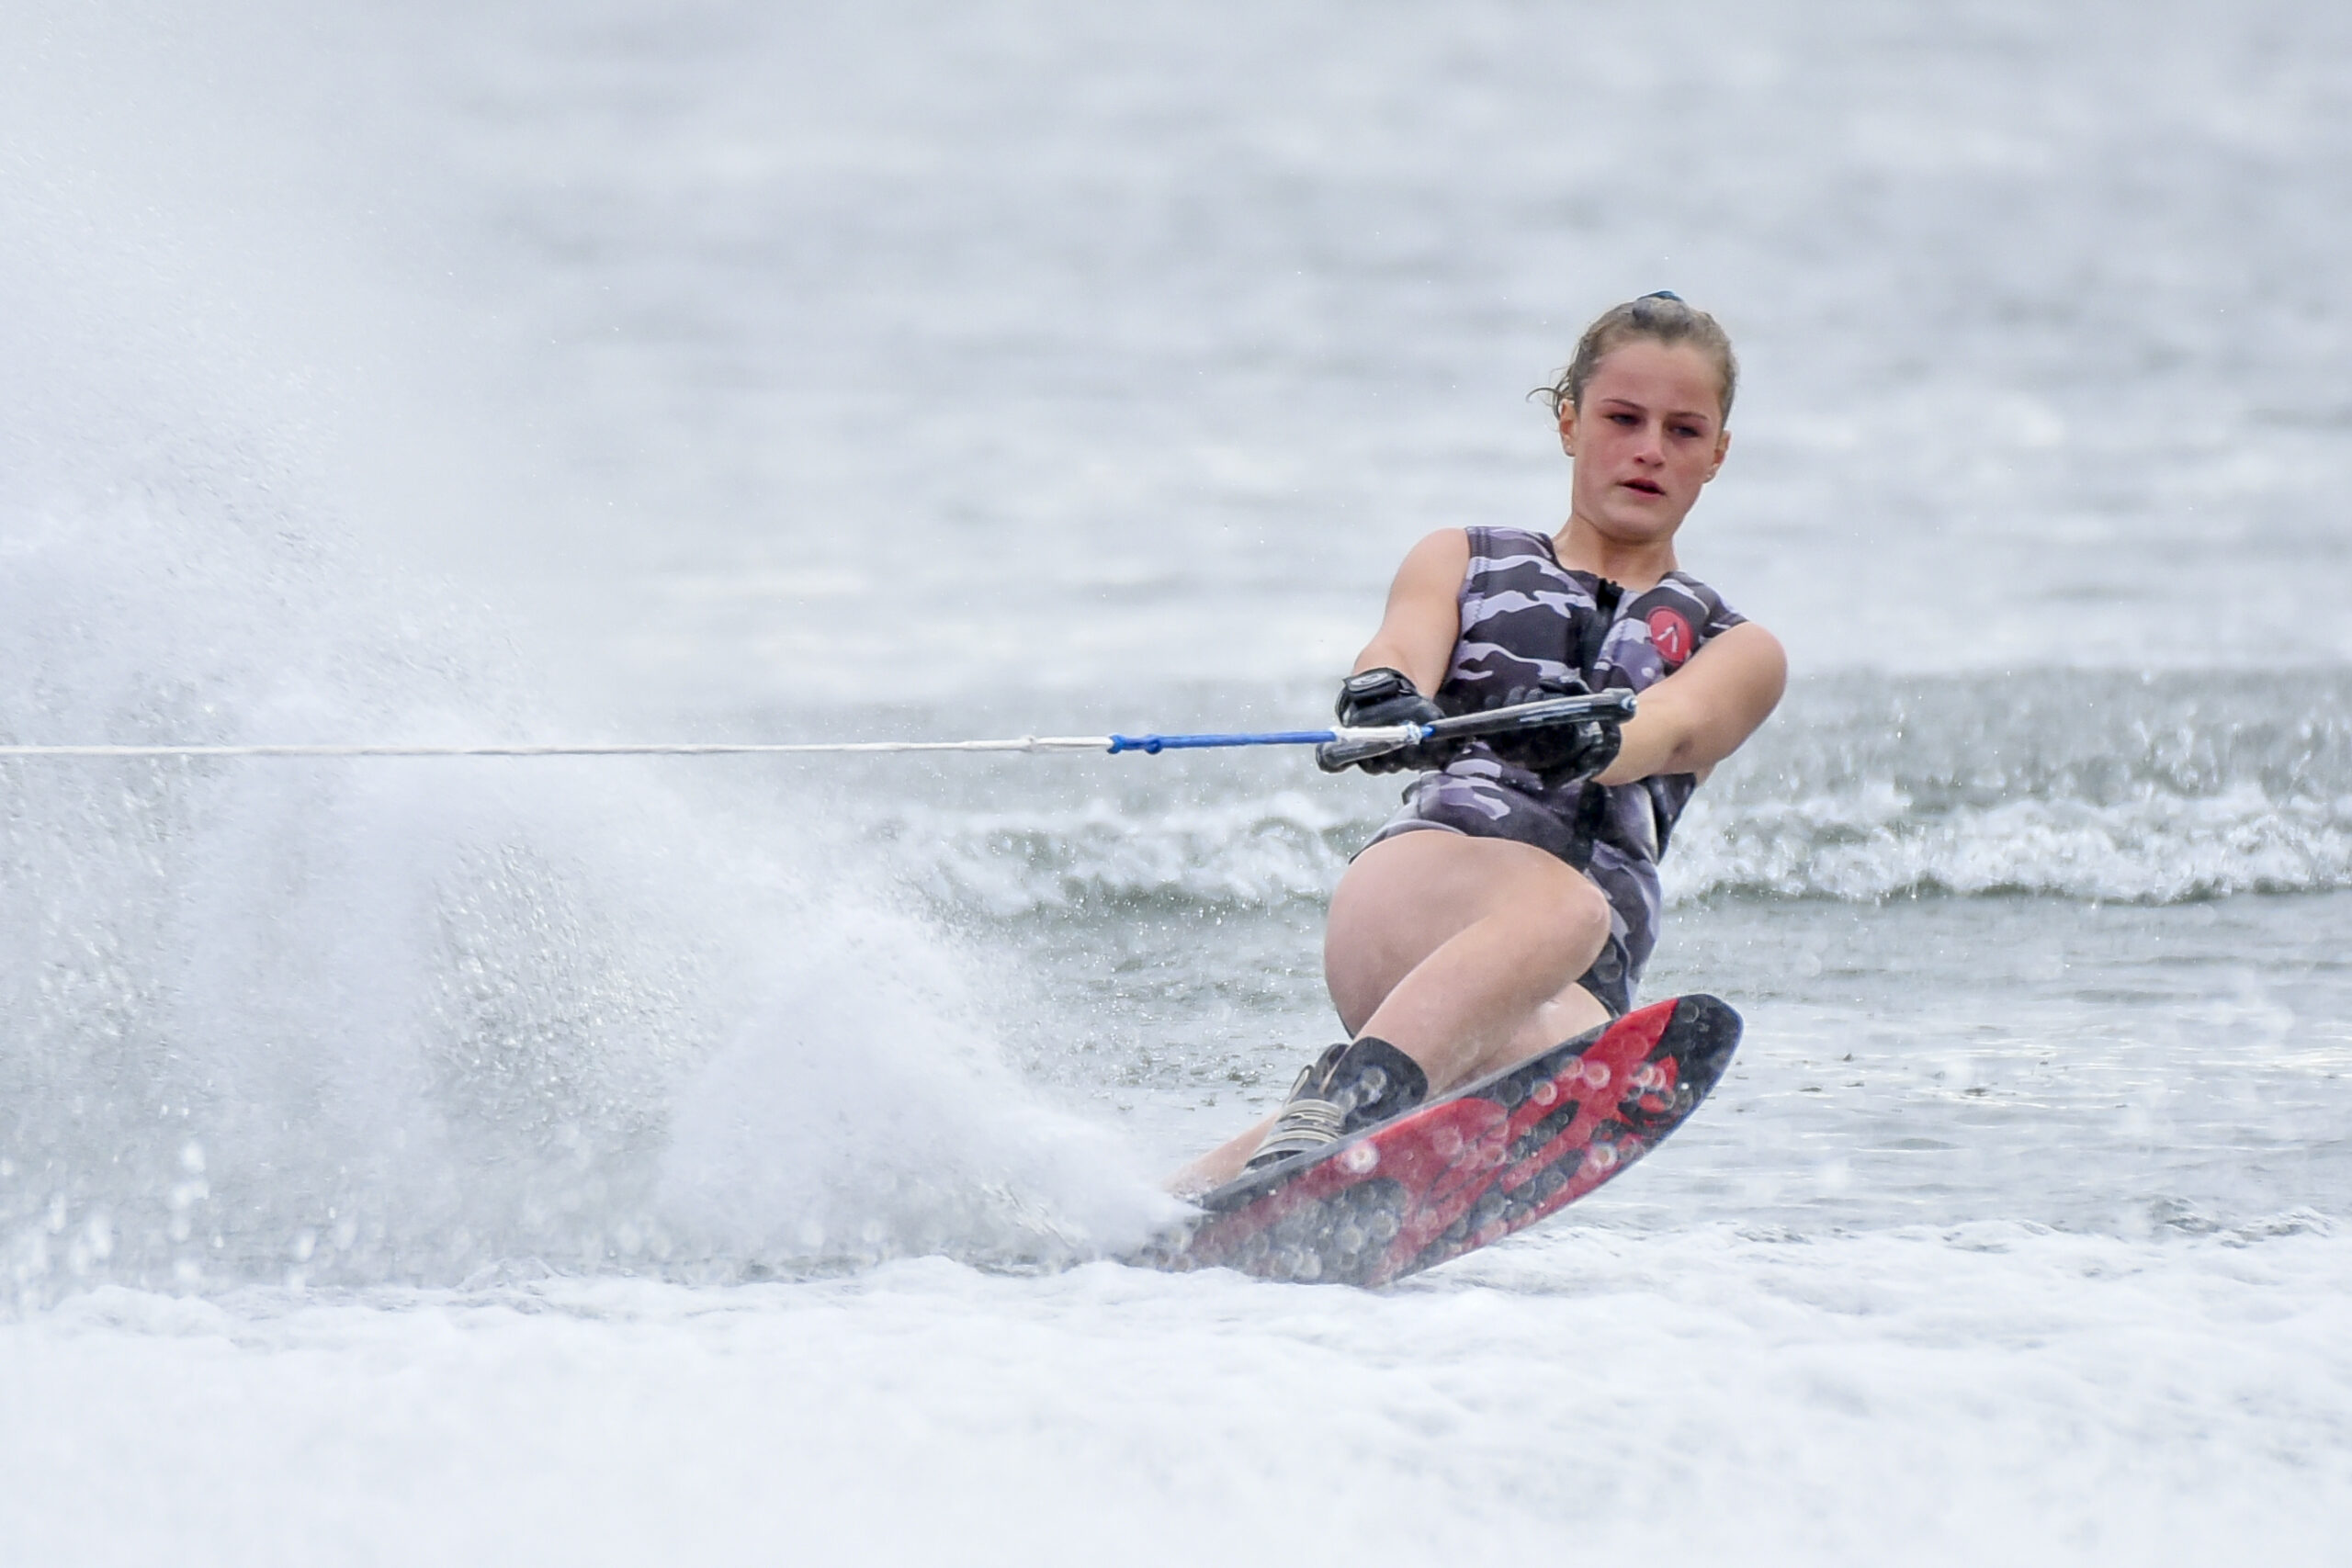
pixel 1156 744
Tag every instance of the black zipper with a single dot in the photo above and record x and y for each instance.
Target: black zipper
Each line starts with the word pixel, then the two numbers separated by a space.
pixel 1592 801
pixel 1606 597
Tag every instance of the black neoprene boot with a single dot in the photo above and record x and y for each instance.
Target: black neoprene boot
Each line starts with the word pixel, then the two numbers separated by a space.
pixel 1344 1090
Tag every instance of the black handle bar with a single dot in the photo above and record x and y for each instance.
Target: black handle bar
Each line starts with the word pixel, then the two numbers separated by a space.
pixel 1616 705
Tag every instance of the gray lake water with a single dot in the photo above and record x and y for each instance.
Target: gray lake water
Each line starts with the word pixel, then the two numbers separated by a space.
pixel 618 1160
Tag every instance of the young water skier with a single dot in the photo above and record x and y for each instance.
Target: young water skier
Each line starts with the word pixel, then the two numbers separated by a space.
pixel 1514 900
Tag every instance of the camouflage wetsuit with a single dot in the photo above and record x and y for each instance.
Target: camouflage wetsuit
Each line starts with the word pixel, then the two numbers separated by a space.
pixel 1533 629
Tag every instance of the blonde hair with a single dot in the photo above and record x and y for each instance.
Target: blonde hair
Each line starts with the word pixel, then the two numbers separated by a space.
pixel 1663 317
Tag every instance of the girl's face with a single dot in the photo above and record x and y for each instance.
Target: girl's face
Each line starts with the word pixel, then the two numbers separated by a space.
pixel 1650 435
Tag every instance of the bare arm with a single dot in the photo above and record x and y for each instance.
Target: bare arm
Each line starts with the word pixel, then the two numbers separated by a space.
pixel 1424 616
pixel 1698 715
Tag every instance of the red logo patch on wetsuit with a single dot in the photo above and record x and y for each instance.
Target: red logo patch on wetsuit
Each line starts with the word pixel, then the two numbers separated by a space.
pixel 1670 635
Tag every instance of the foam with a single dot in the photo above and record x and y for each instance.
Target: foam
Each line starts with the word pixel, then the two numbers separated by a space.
pixel 342 1023
pixel 1936 1395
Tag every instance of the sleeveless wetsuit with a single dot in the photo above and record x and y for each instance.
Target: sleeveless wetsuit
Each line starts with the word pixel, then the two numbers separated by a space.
pixel 1533 629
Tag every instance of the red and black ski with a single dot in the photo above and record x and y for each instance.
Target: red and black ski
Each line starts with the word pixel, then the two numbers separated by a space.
pixel 1470 1169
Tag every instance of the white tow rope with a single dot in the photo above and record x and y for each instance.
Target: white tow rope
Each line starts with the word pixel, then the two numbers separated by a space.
pixel 1358 743
pixel 1390 737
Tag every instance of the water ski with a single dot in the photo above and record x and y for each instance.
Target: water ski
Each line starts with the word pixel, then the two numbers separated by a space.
pixel 1471 1168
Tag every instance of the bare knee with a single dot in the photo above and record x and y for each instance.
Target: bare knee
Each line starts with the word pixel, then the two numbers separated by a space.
pixel 1565 922
pixel 1579 912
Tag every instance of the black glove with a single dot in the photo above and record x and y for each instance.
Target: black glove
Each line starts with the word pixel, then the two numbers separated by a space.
pixel 1379 697
pixel 1561 753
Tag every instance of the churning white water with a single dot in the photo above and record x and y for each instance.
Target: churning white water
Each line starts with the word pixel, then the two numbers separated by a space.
pixel 724 1161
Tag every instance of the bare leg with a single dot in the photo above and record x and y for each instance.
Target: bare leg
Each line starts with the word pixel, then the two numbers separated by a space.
pixel 1450 947
pixel 1462 953
pixel 1565 1016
